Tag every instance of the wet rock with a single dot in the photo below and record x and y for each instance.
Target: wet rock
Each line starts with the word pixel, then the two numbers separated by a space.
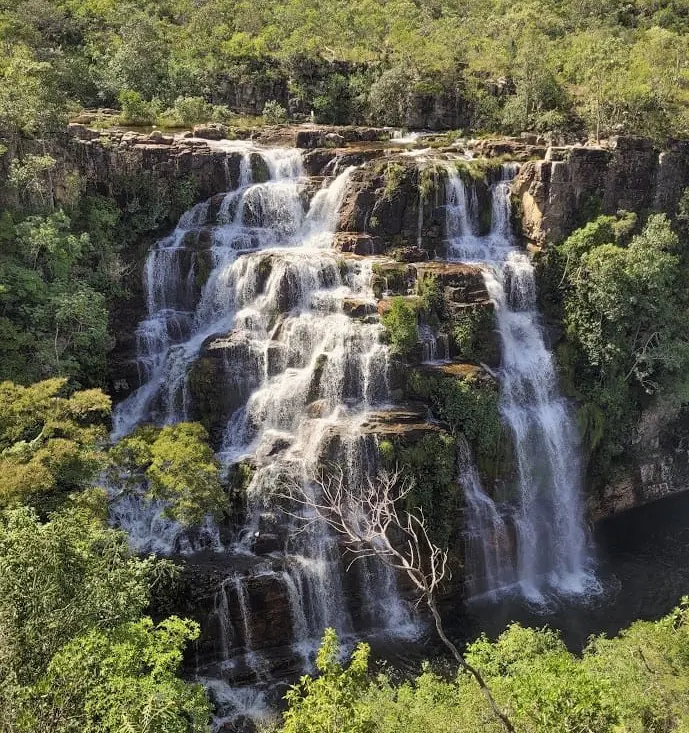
pixel 315 161
pixel 411 254
pixel 211 131
pixel 357 243
pixel 322 137
pixel 357 308
pixel 221 379
pixel 259 168
pixel 657 464
pixel 465 281
pixel 157 137
pixel 383 198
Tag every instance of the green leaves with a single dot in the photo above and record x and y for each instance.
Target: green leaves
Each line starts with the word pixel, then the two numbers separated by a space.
pixel 333 702
pixel 636 683
pixel 49 442
pixel 176 465
pixel 401 326
pixel 76 656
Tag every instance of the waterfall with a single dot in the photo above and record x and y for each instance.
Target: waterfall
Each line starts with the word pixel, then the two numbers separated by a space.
pixel 487 550
pixel 300 372
pixel 552 545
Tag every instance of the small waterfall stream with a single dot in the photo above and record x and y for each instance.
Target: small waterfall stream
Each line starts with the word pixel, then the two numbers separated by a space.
pixel 552 546
pixel 300 372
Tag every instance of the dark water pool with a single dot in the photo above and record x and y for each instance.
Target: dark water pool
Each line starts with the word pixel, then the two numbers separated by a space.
pixel 642 568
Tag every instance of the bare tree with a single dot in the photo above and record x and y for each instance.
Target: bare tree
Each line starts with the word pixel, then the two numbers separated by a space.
pixel 373 524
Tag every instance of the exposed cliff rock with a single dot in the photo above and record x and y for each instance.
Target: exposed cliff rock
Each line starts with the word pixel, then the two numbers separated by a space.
pixel 100 157
pixel 383 199
pixel 657 466
pixel 572 184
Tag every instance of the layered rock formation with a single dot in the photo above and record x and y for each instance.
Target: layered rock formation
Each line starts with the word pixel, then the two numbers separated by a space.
pixel 571 184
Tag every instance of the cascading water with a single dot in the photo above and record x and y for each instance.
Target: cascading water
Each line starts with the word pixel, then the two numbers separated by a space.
pixel 552 548
pixel 299 370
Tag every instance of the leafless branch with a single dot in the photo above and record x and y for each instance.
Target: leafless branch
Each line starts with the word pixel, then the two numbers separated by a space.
pixel 372 522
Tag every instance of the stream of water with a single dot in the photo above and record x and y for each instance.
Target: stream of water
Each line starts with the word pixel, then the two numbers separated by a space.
pixel 302 375
pixel 553 551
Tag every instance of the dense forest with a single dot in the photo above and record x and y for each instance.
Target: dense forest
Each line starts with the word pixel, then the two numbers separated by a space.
pixel 86 640
pixel 559 67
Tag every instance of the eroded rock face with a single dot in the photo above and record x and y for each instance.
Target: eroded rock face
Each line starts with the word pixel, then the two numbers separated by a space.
pixel 382 201
pixel 572 184
pixel 102 156
pixel 658 465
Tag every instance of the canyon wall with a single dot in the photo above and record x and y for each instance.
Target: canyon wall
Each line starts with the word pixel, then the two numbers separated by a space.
pixel 393 211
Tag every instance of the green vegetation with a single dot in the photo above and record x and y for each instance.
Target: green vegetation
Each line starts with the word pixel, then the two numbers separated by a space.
pixel 624 306
pixel 634 683
pixel 470 326
pixel 49 441
pixel 77 654
pixel 468 404
pixel 551 66
pixel 430 462
pixel 176 465
pixel 401 325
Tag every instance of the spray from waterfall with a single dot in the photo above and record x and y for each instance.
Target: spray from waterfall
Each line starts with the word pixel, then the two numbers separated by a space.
pixel 553 552
pixel 297 370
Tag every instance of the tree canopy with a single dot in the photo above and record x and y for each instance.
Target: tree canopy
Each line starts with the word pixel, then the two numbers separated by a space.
pixel 551 65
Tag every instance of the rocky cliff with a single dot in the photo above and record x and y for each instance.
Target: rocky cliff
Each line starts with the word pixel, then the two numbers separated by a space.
pixel 571 184
pixel 393 213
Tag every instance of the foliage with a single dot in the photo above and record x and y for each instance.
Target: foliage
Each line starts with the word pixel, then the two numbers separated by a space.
pixel 50 324
pixel 31 176
pixel 49 441
pixel 636 682
pixel 431 463
pixel 390 97
pixel 624 309
pixel 401 325
pixel 75 654
pixel 176 465
pixel 136 110
pixel 191 110
pixel 394 175
pixel 468 405
pixel 551 66
pixel 124 679
pixel 329 703
pixel 274 113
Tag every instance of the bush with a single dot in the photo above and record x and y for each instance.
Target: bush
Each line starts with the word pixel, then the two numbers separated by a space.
pixel 274 113
pixel 192 110
pixel 390 97
pixel 401 326
pixel 136 110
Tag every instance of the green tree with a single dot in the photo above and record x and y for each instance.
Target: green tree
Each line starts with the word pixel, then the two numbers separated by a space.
pixel 75 654
pixel 176 465
pixel 50 441
pixel 331 702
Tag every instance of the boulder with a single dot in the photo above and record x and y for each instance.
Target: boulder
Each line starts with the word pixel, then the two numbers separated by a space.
pixel 357 243
pixel 211 131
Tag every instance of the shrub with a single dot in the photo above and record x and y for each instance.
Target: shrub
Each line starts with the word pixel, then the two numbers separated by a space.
pixel 401 325
pixel 191 110
pixel 274 113
pixel 136 110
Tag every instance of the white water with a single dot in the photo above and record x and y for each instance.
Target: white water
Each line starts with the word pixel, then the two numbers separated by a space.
pixel 552 553
pixel 301 374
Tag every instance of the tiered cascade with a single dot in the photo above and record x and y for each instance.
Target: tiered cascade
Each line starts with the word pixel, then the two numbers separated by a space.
pixel 550 551
pixel 300 375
